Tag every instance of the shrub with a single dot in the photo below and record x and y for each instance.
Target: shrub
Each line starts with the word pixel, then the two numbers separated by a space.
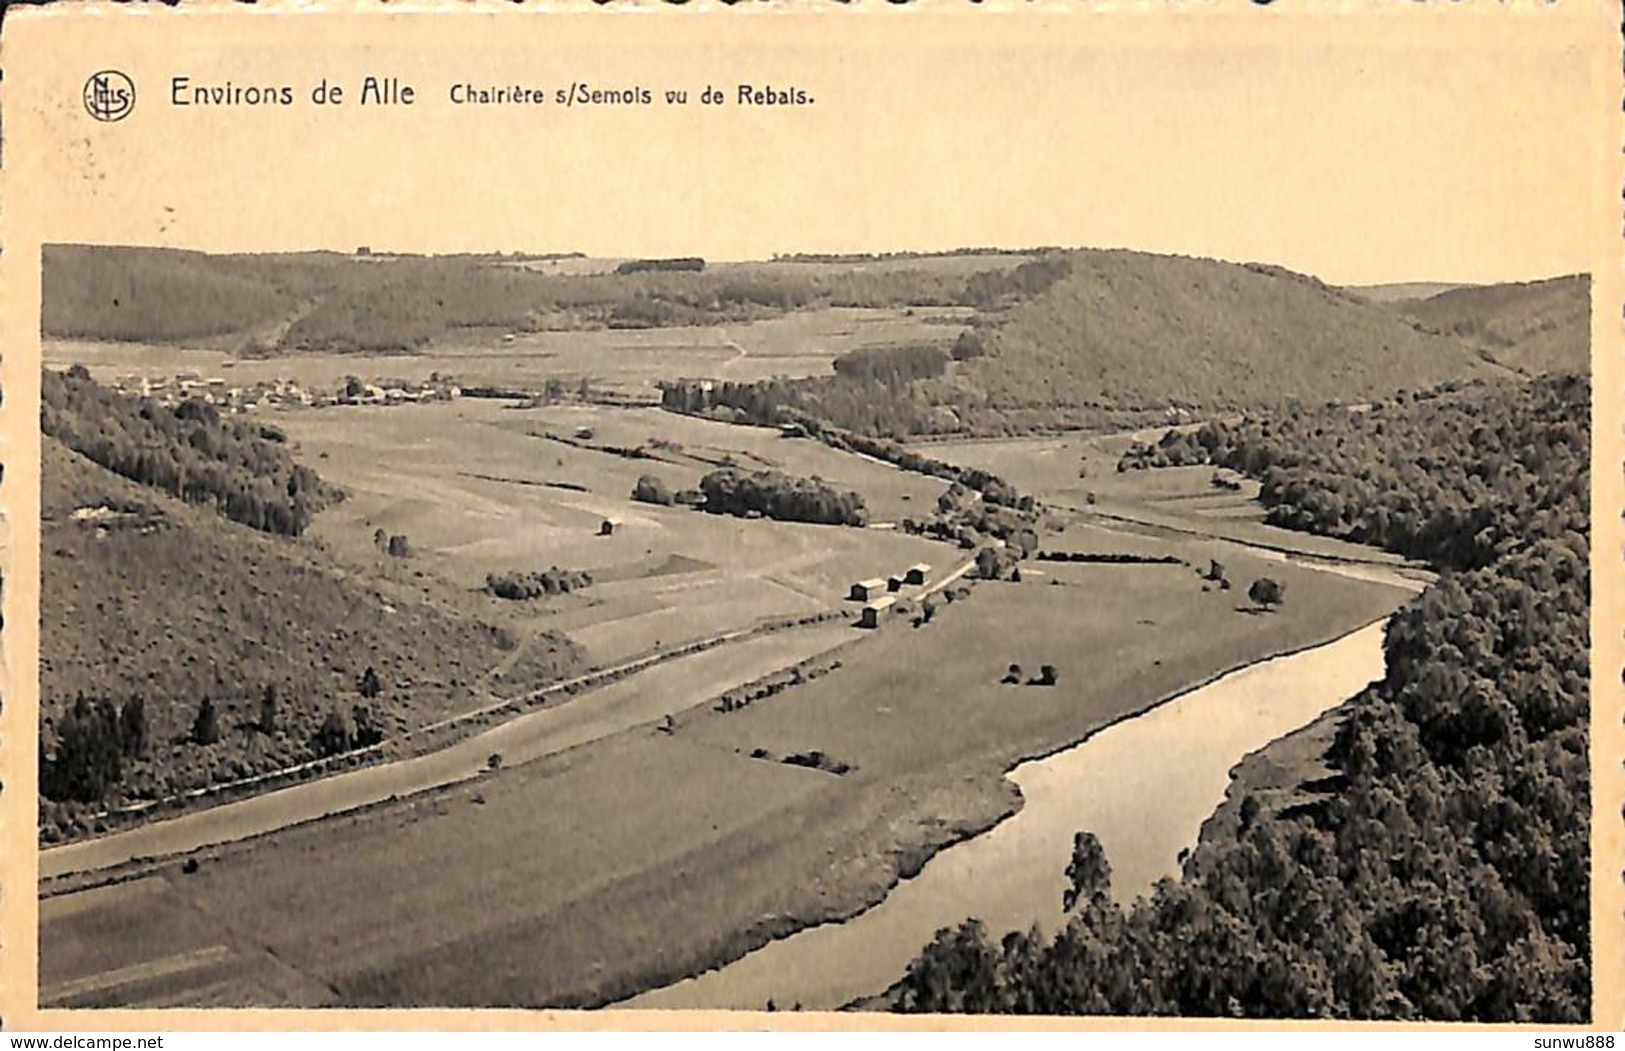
pixel 336 735
pixel 651 490
pixel 1266 592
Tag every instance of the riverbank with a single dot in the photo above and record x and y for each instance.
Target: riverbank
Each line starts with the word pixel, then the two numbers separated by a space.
pixel 585 877
pixel 1179 751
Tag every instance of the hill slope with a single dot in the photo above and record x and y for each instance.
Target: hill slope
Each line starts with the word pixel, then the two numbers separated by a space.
pixel 1535 327
pixel 1401 290
pixel 1128 330
pixel 323 301
pixel 145 596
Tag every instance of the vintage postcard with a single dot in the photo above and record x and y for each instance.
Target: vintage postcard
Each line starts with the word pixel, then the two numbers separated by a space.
pixel 855 517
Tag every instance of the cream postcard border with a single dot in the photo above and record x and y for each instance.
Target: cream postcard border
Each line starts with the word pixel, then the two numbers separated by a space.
pixel 44 53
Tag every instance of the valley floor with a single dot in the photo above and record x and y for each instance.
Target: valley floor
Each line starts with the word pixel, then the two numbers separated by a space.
pixel 626 863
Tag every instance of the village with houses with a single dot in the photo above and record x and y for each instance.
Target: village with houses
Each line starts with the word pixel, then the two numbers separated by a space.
pixel 284 393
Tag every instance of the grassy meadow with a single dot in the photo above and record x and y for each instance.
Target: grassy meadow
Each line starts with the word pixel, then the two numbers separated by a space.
pixel 478 488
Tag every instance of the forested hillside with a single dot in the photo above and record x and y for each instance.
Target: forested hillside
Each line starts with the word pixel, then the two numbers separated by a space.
pixel 1096 339
pixel 1536 327
pixel 1447 874
pixel 153 611
pixel 159 294
pixel 1130 330
pixel 190 452
pixel 1441 476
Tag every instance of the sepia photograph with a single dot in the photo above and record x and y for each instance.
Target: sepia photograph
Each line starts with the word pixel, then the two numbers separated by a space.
pixel 714 528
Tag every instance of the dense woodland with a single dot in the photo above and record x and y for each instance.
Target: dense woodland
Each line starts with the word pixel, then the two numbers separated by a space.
pixel 1412 475
pixel 774 494
pixel 1446 876
pixel 189 452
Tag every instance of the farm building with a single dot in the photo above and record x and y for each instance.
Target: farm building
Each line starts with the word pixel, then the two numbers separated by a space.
pixel 864 590
pixel 917 573
pixel 873 610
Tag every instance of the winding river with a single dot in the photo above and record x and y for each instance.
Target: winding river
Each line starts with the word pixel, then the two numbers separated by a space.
pixel 1143 786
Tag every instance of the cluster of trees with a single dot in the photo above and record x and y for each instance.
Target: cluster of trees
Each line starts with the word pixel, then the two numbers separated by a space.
pixel 396 545
pixel 763 403
pixel 997 563
pixel 639 266
pixel 1446 875
pixel 520 585
pixel 1047 676
pixel 774 494
pixel 1115 558
pixel 843 402
pixel 94 738
pixel 189 452
pixel 773 685
pixel 969 519
pixel 892 366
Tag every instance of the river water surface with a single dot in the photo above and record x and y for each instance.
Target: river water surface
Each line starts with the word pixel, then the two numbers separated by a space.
pixel 1143 786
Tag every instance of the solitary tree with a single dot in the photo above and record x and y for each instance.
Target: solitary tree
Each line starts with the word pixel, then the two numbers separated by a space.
pixel 335 734
pixel 206 727
pixel 370 686
pixel 1089 874
pixel 1013 675
pixel 268 709
pixel 1265 593
pixel 399 547
pixel 133 726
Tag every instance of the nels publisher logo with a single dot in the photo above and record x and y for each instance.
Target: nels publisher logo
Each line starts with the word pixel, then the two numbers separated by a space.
pixel 109 95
